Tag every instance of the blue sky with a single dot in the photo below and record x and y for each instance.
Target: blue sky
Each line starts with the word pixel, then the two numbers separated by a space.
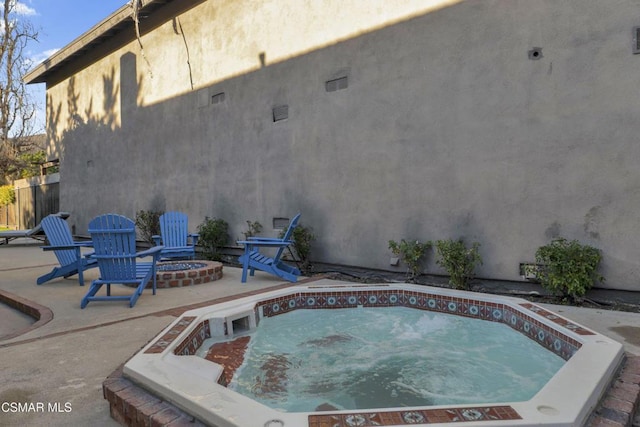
pixel 58 23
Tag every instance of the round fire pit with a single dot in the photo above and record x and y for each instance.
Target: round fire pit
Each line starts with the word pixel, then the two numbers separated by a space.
pixel 175 274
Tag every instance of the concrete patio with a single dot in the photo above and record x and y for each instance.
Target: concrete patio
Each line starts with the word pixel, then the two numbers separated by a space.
pixel 62 360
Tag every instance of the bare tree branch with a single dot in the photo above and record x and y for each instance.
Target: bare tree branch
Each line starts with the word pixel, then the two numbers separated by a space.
pixel 17 110
pixel 136 5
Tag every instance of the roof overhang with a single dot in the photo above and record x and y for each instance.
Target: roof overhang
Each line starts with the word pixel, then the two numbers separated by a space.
pixel 119 21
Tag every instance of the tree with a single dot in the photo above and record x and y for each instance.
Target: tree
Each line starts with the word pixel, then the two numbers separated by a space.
pixel 17 110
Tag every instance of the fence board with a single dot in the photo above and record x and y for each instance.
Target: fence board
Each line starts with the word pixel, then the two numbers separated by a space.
pixel 32 204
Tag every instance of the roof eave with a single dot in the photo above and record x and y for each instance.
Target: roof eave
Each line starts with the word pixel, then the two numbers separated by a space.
pixel 114 23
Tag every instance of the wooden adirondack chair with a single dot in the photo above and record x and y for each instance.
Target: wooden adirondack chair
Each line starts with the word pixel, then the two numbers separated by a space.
pixel 114 242
pixel 68 252
pixel 175 237
pixel 253 259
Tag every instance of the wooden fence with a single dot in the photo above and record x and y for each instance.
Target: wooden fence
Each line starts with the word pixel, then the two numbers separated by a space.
pixel 35 198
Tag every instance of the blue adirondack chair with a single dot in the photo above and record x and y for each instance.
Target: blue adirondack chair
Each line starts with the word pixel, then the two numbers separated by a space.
pixel 36 232
pixel 114 242
pixel 175 237
pixel 253 259
pixel 67 251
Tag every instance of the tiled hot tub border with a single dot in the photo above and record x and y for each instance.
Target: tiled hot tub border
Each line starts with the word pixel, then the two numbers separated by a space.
pixel 413 416
pixel 549 337
pixel 517 318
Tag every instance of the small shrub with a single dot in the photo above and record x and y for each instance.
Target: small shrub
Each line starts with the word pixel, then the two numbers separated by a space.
pixel 214 235
pixel 253 228
pixel 302 237
pixel 459 261
pixel 412 253
pixel 148 223
pixel 7 195
pixel 568 268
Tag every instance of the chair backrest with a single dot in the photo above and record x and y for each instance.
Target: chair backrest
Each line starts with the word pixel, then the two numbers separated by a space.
pixel 114 243
pixel 59 234
pixel 288 235
pixel 174 229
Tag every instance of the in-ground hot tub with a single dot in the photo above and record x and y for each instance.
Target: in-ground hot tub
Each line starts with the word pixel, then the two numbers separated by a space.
pixel 170 368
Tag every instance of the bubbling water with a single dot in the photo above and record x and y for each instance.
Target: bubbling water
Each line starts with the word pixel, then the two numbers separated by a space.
pixel 366 358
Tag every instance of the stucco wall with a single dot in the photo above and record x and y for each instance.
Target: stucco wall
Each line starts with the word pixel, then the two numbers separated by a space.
pixel 447 128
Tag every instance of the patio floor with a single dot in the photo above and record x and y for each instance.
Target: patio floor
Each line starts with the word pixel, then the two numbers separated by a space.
pixel 63 360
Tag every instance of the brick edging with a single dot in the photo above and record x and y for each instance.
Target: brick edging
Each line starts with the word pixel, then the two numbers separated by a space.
pixel 131 405
pixel 42 314
pixel 620 403
pixel 209 272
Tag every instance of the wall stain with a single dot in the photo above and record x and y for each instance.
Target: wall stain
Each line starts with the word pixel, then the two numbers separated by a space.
pixel 553 230
pixel 591 222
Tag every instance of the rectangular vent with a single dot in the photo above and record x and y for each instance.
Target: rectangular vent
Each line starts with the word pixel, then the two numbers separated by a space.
pixel 636 40
pixel 218 98
pixel 528 271
pixel 241 325
pixel 280 223
pixel 336 84
pixel 280 113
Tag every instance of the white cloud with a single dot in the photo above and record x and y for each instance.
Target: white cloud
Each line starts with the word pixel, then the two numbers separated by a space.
pixel 23 9
pixel 20 8
pixel 37 58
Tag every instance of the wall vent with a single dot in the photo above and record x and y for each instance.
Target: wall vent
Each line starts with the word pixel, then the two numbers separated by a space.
pixel 218 98
pixel 280 113
pixel 280 223
pixel 535 53
pixel 336 84
pixel 636 40
pixel 528 270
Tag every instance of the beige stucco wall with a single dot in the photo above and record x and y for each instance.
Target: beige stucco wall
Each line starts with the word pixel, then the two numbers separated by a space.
pixel 447 127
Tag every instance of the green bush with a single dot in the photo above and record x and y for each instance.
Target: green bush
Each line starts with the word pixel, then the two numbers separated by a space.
pixel 412 253
pixel 568 268
pixel 253 228
pixel 7 195
pixel 302 238
pixel 459 261
pixel 31 163
pixel 148 223
pixel 214 235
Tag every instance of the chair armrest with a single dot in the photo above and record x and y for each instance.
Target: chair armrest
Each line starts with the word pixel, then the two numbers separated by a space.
pixel 194 238
pixel 150 252
pixel 264 239
pixel 72 246
pixel 157 240
pixel 278 243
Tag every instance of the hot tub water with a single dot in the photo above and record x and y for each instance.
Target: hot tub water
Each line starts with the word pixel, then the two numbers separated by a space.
pixel 388 357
